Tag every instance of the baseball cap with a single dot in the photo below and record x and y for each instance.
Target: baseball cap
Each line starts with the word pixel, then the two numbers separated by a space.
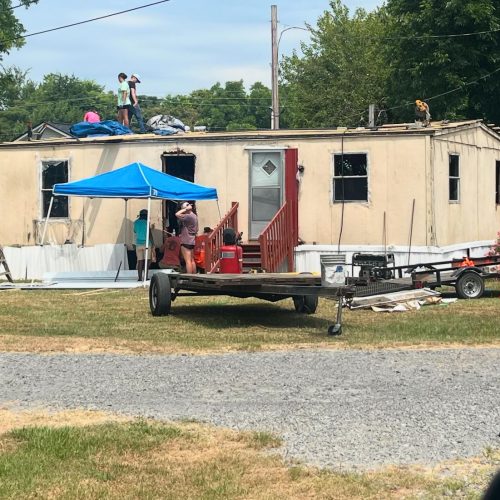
pixel 138 78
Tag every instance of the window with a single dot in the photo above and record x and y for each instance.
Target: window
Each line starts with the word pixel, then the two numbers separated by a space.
pixel 454 174
pixel 350 178
pixel 497 183
pixel 54 172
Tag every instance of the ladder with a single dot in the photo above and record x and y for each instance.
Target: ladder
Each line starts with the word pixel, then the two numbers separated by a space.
pixel 3 262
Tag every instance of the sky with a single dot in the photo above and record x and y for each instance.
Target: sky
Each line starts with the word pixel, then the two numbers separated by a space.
pixel 176 47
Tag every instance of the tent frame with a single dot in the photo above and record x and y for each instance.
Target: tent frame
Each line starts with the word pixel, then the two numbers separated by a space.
pixel 153 194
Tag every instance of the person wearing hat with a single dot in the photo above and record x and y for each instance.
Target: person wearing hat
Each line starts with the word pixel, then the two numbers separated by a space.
pixel 135 109
pixel 188 235
pixel 140 230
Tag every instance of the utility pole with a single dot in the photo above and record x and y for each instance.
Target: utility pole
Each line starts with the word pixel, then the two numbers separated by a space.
pixel 275 112
pixel 371 116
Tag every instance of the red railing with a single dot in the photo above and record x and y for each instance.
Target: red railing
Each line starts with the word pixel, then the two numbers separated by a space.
pixel 277 241
pixel 214 240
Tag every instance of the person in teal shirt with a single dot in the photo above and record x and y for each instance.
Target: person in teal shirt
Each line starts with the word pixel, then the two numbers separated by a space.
pixel 123 100
pixel 140 230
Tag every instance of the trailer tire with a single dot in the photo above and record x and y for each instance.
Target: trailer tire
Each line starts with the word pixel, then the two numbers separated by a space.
pixel 305 304
pixel 160 295
pixel 470 285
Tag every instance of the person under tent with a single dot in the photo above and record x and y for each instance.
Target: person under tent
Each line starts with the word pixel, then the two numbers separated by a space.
pixel 140 230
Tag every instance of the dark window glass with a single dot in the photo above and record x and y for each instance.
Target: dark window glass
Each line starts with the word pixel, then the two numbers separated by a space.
pixel 454 174
pixel 454 166
pixel 54 172
pixel 454 190
pixel 497 183
pixel 350 181
pixel 353 164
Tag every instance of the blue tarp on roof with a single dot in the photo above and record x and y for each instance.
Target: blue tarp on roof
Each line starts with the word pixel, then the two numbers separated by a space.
pixel 136 181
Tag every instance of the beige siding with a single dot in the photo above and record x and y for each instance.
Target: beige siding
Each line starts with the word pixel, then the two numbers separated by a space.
pixel 401 168
pixel 476 216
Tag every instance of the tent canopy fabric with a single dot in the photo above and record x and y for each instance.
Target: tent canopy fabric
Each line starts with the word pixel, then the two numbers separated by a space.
pixel 136 181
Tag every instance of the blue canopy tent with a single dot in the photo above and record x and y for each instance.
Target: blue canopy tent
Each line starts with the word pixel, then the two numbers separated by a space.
pixel 133 181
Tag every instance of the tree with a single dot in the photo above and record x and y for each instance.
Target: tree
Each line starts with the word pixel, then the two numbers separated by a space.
pixel 11 30
pixel 342 70
pixel 423 66
pixel 59 98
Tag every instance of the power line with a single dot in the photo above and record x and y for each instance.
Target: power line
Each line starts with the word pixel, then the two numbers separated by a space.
pixel 437 96
pixel 409 37
pixel 84 22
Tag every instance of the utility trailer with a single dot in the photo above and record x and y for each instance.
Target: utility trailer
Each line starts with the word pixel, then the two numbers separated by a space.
pixel 468 276
pixel 304 289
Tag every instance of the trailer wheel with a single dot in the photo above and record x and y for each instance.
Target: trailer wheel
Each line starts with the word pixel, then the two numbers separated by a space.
pixel 160 295
pixel 470 286
pixel 305 304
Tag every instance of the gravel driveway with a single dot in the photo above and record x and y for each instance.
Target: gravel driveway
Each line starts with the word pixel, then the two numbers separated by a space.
pixel 333 408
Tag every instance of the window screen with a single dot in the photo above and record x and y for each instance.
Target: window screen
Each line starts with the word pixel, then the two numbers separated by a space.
pixel 454 178
pixel 350 181
pixel 54 172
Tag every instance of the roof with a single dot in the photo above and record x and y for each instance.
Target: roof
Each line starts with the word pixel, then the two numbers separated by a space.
pixel 435 128
pixel 61 128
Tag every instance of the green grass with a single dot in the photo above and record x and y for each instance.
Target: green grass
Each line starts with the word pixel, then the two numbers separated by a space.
pixel 155 460
pixel 123 320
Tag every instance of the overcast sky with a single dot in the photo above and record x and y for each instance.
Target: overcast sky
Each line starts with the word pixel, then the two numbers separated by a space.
pixel 176 47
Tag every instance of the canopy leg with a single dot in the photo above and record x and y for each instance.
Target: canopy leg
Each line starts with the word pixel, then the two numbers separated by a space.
pixel 47 221
pixel 147 245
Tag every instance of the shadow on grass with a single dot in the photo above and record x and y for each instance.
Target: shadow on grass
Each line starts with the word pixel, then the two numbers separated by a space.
pixel 230 315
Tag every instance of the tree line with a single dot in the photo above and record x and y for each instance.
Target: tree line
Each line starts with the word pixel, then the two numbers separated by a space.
pixel 447 53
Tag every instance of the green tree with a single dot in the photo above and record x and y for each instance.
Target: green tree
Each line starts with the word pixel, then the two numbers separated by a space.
pixel 59 98
pixel 341 72
pixel 11 30
pixel 422 66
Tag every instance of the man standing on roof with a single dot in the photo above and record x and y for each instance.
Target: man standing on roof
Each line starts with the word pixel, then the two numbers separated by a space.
pixel 123 100
pixel 422 113
pixel 135 109
pixel 188 235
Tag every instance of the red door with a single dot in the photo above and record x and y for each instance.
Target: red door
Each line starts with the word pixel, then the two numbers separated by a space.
pixel 292 189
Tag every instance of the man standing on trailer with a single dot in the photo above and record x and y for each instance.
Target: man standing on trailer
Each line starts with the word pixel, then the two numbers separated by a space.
pixel 135 109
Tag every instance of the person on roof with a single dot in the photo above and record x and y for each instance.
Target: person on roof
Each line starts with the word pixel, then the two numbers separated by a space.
pixel 123 100
pixel 135 109
pixel 91 116
pixel 422 113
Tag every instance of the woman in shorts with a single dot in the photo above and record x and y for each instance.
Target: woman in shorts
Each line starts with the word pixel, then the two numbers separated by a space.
pixel 123 99
pixel 188 235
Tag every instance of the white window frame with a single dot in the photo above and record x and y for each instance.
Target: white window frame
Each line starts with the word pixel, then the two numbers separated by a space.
pixel 334 177
pixel 456 178
pixel 41 190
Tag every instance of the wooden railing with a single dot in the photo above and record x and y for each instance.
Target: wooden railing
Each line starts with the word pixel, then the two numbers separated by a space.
pixel 214 240
pixel 277 241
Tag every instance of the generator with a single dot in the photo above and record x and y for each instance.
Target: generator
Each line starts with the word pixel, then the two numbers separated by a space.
pixel 374 266
pixel 231 254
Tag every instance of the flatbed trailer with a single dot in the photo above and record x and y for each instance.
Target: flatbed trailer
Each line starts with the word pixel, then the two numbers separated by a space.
pixel 468 279
pixel 304 289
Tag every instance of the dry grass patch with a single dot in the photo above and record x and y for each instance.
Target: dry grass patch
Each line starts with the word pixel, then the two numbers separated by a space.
pixel 143 459
pixel 49 321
